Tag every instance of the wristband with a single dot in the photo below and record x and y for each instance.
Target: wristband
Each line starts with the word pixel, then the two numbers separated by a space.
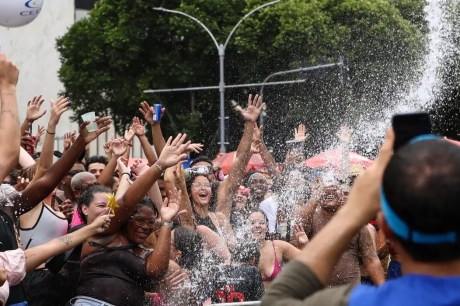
pixel 50 132
pixel 167 224
pixel 159 167
pixel 129 174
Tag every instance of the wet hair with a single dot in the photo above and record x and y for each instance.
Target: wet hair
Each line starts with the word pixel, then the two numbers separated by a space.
pixel 191 179
pixel 201 159
pixel 146 201
pixel 247 252
pixel 421 184
pixel 87 196
pixel 191 246
pixel 96 159
pixel 259 211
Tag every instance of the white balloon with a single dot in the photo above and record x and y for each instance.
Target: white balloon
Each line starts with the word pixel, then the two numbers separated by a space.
pixel 16 13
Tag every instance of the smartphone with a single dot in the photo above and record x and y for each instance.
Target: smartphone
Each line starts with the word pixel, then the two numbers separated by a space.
pixel 408 126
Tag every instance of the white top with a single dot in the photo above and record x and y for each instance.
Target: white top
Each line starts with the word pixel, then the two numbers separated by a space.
pixel 270 207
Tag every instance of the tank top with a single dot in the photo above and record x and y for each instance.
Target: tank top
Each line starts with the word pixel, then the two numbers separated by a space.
pixel 48 226
pixel 276 268
pixel 114 275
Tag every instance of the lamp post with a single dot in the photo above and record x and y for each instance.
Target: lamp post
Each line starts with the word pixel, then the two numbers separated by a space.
pixel 221 51
pixel 301 69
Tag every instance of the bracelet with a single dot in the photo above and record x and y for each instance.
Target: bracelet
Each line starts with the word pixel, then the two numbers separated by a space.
pixel 159 167
pixel 50 132
pixel 167 224
pixel 129 174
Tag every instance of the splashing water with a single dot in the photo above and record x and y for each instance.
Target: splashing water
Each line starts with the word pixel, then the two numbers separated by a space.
pixel 420 95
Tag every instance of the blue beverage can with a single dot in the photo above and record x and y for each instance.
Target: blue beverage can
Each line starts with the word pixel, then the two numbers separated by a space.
pixel 157 112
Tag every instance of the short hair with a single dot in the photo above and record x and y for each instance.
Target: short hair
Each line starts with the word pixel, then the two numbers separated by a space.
pixel 88 195
pixel 201 159
pixel 96 159
pixel 76 181
pixel 421 184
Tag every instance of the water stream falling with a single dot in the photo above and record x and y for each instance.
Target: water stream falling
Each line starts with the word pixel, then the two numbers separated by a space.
pixel 421 94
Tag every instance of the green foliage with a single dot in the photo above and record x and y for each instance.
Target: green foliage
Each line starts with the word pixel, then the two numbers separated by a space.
pixel 125 47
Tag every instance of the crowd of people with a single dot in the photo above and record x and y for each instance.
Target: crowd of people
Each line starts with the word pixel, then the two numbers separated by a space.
pixel 89 230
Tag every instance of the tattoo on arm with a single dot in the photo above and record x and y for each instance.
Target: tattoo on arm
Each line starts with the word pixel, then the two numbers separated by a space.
pixel 66 239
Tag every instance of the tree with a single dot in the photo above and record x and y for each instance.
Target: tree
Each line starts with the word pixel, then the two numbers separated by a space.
pixel 125 47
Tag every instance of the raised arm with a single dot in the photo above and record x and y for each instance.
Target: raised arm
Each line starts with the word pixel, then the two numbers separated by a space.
pixel 33 113
pixel 157 136
pixel 41 188
pixel 118 148
pixel 174 178
pixel 243 154
pixel 171 155
pixel 9 119
pixel 261 148
pixel 157 263
pixel 58 107
pixel 139 129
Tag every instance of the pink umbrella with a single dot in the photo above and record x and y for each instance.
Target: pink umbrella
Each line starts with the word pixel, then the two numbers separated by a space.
pixel 333 158
pixel 255 163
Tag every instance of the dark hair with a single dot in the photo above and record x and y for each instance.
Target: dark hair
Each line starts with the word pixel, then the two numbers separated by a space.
pixel 87 196
pixel 146 201
pixel 247 252
pixel 190 179
pixel 201 159
pixel 96 159
pixel 421 184
pixel 191 246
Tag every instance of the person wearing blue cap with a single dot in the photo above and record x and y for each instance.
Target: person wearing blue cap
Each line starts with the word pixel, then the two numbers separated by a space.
pixel 415 193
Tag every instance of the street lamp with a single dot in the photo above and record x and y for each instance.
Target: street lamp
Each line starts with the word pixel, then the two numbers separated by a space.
pixel 301 69
pixel 221 52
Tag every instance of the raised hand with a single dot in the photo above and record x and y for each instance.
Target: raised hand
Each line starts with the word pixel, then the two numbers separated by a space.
pixel 108 148
pixel 195 147
pixel 147 111
pixel 122 163
pixel 118 147
pixel 300 133
pixel 69 139
pixel 252 111
pixel 300 235
pixel 9 73
pixel 21 183
pixel 33 109
pixel 138 126
pixel 103 125
pixel 173 151
pixel 39 134
pixel 129 133
pixel 58 107
pixel 170 208
pixel 139 167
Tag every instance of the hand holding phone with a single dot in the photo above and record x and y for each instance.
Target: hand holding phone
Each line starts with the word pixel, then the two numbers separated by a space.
pixel 408 126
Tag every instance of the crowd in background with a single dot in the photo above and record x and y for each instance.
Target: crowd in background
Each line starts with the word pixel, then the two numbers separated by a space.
pixel 77 229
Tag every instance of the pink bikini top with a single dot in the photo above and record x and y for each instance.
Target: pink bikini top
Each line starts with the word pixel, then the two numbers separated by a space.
pixel 276 268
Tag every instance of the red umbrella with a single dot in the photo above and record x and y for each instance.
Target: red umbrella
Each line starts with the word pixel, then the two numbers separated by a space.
pixel 333 158
pixel 255 163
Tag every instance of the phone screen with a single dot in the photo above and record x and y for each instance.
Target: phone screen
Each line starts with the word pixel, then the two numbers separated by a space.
pixel 408 126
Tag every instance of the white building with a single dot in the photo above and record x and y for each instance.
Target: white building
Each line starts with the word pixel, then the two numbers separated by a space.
pixel 33 49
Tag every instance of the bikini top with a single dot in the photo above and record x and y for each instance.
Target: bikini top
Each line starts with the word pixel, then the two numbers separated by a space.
pixel 276 268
